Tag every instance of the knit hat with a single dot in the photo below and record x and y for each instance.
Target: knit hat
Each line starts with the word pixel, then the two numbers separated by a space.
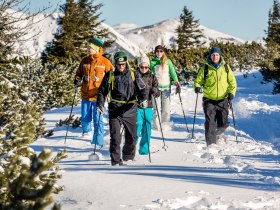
pixel 159 47
pixel 120 57
pixel 95 43
pixel 143 59
pixel 215 50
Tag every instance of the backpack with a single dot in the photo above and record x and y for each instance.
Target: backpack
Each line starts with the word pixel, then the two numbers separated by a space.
pixel 112 77
pixel 111 86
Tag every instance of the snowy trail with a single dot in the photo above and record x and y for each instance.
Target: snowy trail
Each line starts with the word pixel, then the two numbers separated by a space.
pixel 188 175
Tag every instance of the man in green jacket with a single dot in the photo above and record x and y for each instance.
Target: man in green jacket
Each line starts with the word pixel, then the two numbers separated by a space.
pixel 219 88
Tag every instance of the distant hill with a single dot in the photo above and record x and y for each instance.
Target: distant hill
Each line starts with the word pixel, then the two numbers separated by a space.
pixel 147 37
pixel 133 39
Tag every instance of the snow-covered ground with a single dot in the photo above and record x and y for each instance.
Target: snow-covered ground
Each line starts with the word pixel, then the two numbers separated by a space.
pixel 188 175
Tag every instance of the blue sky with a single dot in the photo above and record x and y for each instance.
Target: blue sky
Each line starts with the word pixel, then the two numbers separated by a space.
pixel 246 19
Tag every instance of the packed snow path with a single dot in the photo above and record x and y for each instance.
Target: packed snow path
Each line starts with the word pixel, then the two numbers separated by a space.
pixel 188 175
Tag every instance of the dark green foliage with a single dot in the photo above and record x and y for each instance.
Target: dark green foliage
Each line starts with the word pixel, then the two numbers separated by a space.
pixel 272 32
pixel 271 66
pixel 78 24
pixel 242 57
pixel 72 121
pixel 188 33
pixel 49 133
pixel 21 122
pixel 27 179
pixel 49 86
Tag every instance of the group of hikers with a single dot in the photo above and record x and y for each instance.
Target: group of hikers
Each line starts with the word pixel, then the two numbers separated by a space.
pixel 137 96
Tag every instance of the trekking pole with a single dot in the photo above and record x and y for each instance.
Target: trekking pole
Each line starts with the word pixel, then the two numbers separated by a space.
pixel 147 135
pixel 70 113
pixel 194 114
pixel 164 146
pixel 231 107
pixel 183 112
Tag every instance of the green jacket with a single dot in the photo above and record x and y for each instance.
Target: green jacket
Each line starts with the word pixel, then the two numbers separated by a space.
pixel 218 83
pixel 163 74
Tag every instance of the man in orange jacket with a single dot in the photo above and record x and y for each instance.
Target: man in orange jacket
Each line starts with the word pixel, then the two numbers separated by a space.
pixel 89 75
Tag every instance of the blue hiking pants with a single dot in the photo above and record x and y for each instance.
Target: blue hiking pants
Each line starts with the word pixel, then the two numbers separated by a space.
pixel 89 113
pixel 144 126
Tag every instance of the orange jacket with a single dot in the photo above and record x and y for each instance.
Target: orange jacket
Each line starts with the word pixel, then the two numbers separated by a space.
pixel 91 71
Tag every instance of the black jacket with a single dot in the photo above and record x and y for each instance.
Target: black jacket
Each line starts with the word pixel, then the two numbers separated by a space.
pixel 151 85
pixel 125 90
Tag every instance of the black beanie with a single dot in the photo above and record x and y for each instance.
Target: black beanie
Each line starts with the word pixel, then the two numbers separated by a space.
pixel 159 47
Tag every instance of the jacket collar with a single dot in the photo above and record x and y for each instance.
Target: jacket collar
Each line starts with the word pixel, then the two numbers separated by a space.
pixel 96 55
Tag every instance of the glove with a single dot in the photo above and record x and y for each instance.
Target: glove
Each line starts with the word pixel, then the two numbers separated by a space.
pixel 197 90
pixel 100 110
pixel 77 82
pixel 230 96
pixel 144 104
pixel 178 88
pixel 156 94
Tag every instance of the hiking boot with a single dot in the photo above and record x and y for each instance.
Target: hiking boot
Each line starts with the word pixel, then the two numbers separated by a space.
pixel 114 163
pixel 120 163
pixel 86 135
pixel 221 139
pixel 127 159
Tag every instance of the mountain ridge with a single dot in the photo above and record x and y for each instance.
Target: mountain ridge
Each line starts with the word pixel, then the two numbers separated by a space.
pixel 133 39
pixel 164 33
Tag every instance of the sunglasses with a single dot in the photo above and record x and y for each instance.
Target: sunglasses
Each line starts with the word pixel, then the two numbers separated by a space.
pixel 144 67
pixel 121 64
pixel 159 51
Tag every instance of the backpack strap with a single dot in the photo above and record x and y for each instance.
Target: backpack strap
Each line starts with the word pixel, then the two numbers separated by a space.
pixel 132 73
pixel 206 71
pixel 111 86
pixel 226 67
pixel 111 80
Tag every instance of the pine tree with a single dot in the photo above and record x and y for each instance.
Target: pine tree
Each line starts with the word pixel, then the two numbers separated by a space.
pixel 26 179
pixel 89 16
pixel 78 24
pixel 273 31
pixel 272 66
pixel 188 32
pixel 62 48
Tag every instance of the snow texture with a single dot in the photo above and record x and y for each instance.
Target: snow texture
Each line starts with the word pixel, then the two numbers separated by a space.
pixel 234 174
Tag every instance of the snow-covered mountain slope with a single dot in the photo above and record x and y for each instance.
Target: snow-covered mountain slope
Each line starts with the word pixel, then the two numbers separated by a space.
pixel 45 27
pixel 163 33
pixel 232 175
pixel 121 43
pixel 40 31
pixel 125 27
pixel 131 38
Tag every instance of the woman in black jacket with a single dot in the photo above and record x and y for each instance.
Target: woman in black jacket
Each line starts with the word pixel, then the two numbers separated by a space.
pixel 145 115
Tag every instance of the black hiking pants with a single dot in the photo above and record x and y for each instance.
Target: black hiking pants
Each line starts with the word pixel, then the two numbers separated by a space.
pixel 216 118
pixel 125 115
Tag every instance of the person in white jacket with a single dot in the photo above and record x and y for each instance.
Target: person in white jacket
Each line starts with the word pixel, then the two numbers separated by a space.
pixel 162 67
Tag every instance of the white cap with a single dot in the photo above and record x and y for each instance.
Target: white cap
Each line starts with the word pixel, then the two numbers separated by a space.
pixel 143 59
